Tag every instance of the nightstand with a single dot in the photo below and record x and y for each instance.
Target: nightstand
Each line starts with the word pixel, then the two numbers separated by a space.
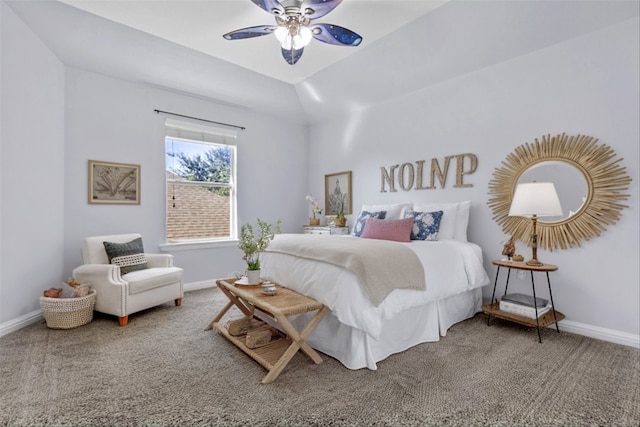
pixel 326 230
pixel 493 308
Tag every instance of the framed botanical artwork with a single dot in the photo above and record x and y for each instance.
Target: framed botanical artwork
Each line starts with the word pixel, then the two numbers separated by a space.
pixel 337 193
pixel 114 183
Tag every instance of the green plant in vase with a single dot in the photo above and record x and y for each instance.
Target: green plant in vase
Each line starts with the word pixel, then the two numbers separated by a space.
pixel 254 241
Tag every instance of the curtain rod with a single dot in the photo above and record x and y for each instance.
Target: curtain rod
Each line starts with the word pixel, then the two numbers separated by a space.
pixel 202 120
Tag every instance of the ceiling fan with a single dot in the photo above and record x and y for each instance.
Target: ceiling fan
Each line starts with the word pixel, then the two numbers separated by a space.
pixel 294 29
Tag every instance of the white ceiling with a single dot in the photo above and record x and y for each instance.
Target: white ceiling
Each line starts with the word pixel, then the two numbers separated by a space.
pixel 181 47
pixel 200 24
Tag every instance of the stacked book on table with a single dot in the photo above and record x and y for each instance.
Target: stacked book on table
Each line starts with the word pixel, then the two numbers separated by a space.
pixel 523 305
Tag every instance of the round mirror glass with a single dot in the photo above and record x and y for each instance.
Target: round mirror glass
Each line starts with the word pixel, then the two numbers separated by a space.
pixel 569 181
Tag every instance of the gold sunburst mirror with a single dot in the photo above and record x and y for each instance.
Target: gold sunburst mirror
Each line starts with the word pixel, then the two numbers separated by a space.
pixel 596 181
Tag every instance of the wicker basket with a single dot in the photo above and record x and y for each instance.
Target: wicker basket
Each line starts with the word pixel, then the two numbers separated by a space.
pixel 68 313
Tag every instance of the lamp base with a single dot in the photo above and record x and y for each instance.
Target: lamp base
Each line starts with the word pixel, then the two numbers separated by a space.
pixel 534 262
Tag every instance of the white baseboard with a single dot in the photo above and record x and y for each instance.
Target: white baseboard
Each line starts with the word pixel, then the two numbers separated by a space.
pixel 599 333
pixel 196 286
pixel 583 329
pixel 36 316
pixel 21 322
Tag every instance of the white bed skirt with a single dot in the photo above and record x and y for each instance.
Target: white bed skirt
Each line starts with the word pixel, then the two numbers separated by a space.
pixel 355 349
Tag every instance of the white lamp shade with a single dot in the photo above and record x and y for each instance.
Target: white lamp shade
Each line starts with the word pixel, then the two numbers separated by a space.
pixel 535 198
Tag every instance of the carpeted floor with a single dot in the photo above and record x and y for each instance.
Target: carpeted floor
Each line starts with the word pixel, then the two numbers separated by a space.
pixel 163 369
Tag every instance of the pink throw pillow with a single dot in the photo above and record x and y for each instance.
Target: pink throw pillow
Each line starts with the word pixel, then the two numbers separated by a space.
pixel 398 230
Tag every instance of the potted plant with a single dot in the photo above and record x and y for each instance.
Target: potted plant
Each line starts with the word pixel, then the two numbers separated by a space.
pixel 315 210
pixel 340 220
pixel 252 243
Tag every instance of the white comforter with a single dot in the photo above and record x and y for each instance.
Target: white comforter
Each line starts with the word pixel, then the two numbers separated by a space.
pixel 451 267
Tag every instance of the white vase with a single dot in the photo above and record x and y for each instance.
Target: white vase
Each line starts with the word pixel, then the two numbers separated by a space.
pixel 253 277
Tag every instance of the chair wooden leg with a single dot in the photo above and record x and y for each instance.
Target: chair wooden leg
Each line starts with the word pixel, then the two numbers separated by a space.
pixel 123 321
pixel 178 302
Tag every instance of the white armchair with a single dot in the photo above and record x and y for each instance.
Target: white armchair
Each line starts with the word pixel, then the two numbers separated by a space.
pixel 123 294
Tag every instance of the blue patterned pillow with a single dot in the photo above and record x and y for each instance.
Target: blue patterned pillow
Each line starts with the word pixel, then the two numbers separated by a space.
pixel 362 220
pixel 425 224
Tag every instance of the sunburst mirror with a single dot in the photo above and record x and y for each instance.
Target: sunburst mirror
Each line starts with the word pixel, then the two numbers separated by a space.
pixel 595 179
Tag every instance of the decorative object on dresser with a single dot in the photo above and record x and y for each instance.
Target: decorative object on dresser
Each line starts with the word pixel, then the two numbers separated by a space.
pixel 253 243
pixel 592 187
pixel 315 210
pixel 533 200
pixel 326 230
pixel 337 193
pixel 532 311
pixel 126 278
pixel 340 220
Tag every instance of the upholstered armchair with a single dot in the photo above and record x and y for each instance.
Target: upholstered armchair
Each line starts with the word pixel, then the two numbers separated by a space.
pixel 126 279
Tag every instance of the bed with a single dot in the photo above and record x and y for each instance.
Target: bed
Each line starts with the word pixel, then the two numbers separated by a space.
pixel 365 326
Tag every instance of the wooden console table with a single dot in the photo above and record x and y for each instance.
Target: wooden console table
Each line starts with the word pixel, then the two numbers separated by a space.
pixel 277 354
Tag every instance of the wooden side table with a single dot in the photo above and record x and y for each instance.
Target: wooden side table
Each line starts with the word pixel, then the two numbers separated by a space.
pixel 277 354
pixel 493 308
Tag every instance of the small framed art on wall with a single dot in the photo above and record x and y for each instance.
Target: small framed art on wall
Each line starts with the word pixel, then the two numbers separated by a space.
pixel 337 193
pixel 114 183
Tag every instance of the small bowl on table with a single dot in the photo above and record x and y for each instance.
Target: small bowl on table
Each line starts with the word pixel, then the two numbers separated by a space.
pixel 269 288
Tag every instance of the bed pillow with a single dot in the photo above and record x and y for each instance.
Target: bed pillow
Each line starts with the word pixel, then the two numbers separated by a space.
pixel 425 224
pixel 398 230
pixel 455 218
pixel 362 221
pixel 129 256
pixel 394 211
pixel 463 221
pixel 449 218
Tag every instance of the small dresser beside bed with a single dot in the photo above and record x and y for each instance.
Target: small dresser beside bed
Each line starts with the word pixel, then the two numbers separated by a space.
pixel 403 277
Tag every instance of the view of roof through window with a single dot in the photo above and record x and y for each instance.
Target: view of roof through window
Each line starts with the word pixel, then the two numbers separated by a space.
pixel 199 188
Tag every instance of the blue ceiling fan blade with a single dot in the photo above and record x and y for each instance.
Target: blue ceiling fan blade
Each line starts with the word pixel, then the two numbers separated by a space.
pixel 292 55
pixel 249 32
pixel 272 6
pixel 334 34
pixel 315 9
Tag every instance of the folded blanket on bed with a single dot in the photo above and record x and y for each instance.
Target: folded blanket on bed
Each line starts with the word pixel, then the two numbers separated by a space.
pixel 381 265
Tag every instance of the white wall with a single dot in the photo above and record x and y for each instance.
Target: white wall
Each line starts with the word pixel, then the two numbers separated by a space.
pixel 32 183
pixel 113 120
pixel 55 119
pixel 588 85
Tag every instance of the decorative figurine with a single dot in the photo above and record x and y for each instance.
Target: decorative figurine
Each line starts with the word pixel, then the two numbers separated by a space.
pixel 509 248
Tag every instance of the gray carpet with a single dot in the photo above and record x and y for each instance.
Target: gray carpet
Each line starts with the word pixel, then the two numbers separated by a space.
pixel 163 369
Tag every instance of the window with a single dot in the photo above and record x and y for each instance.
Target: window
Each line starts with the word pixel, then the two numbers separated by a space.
pixel 201 176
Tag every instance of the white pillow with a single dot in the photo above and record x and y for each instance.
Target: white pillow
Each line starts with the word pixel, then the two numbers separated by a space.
pixel 394 211
pixel 463 221
pixel 455 218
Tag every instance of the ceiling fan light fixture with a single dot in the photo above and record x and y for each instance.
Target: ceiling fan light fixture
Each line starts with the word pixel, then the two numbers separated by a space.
pixel 293 34
pixel 294 30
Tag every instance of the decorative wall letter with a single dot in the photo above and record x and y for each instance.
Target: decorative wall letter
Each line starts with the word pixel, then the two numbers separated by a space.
pixel 460 168
pixel 406 185
pixel 407 173
pixel 388 177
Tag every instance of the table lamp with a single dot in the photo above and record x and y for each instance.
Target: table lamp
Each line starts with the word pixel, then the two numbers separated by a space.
pixel 533 200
